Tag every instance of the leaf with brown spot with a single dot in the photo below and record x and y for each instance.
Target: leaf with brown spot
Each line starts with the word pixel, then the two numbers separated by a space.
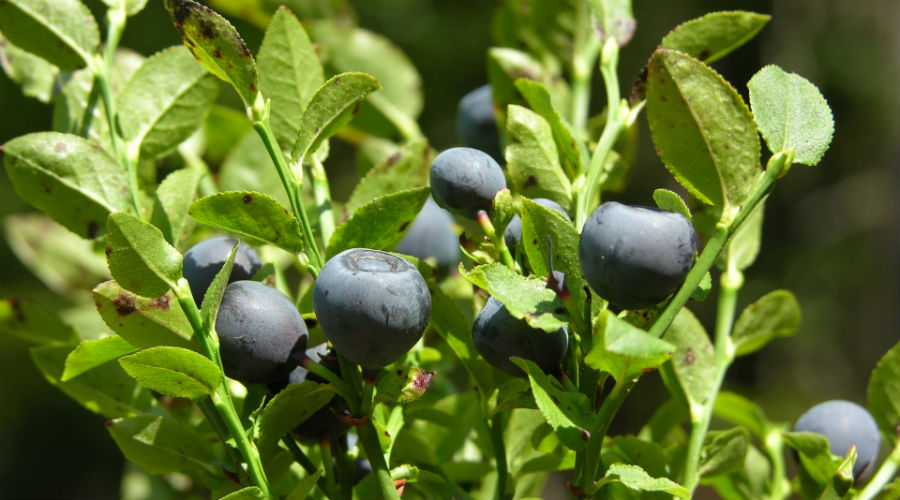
pixel 252 215
pixel 205 33
pixel 691 371
pixel 715 35
pixel 405 169
pixel 33 322
pixel 141 321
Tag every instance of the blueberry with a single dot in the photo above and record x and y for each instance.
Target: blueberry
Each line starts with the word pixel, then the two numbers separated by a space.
pixel 261 333
pixel 513 233
pixel 371 305
pixel 203 260
pixel 635 256
pixel 326 423
pixel 476 123
pixel 431 236
pixel 497 335
pixel 845 424
pixel 465 180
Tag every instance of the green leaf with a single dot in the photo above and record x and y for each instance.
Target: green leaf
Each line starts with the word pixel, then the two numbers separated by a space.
pixel 248 493
pixel 669 200
pixel 131 7
pixel 106 390
pixel 818 465
pixel 636 478
pixel 329 109
pixel 524 297
pixel 884 393
pixel 139 256
pixel 405 169
pixel 514 393
pixel 743 247
pixel 840 483
pixel 540 101
pixel 288 409
pixel 350 48
pixel 539 223
pixel 34 75
pixel 613 19
pixel 252 215
pixel 776 314
pixel 33 322
pixel 92 353
pixel 212 297
pixel 217 45
pixel 61 31
pixel 162 445
pixel 532 160
pixel 715 35
pixel 723 451
pixel 289 74
pixel 403 386
pixel 305 487
pixel 165 101
pixel 143 322
pixel 569 413
pixel 749 481
pixel 380 224
pixel 701 128
pixel 625 351
pixel 173 197
pixel 791 113
pixel 68 178
pixel 174 371
pixel 60 259
pixel 647 455
pixel 693 363
pixel 703 288
pixel 741 411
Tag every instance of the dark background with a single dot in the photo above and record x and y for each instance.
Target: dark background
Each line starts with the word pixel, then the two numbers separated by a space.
pixel 832 233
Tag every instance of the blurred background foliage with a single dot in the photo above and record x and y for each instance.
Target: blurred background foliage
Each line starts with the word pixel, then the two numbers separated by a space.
pixel 832 233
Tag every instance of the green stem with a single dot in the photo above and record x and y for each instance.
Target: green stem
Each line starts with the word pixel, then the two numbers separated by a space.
pixel 582 71
pixel 341 386
pixel 779 488
pixel 328 464
pixel 322 194
pixel 885 473
pixel 596 172
pixel 292 181
pixel 497 239
pixel 221 398
pixel 496 426
pixel 368 437
pixel 608 410
pixel 102 70
pixel 731 283
pixel 346 470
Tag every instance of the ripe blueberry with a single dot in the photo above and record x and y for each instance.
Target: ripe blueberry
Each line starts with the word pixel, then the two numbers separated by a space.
pixel 371 305
pixel 635 256
pixel 431 236
pixel 465 180
pixel 203 260
pixel 261 333
pixel 326 423
pixel 513 232
pixel 845 424
pixel 497 335
pixel 476 123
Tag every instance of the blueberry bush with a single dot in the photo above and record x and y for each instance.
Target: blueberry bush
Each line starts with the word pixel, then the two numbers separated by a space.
pixel 470 369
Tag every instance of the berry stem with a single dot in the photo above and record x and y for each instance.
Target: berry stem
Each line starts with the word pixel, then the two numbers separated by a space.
pixel 608 410
pixel 779 488
pixel 221 398
pixel 497 239
pixel 292 181
pixel 102 70
pixel 496 425
pixel 595 172
pixel 885 473
pixel 731 281
pixel 328 465
pixel 368 437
